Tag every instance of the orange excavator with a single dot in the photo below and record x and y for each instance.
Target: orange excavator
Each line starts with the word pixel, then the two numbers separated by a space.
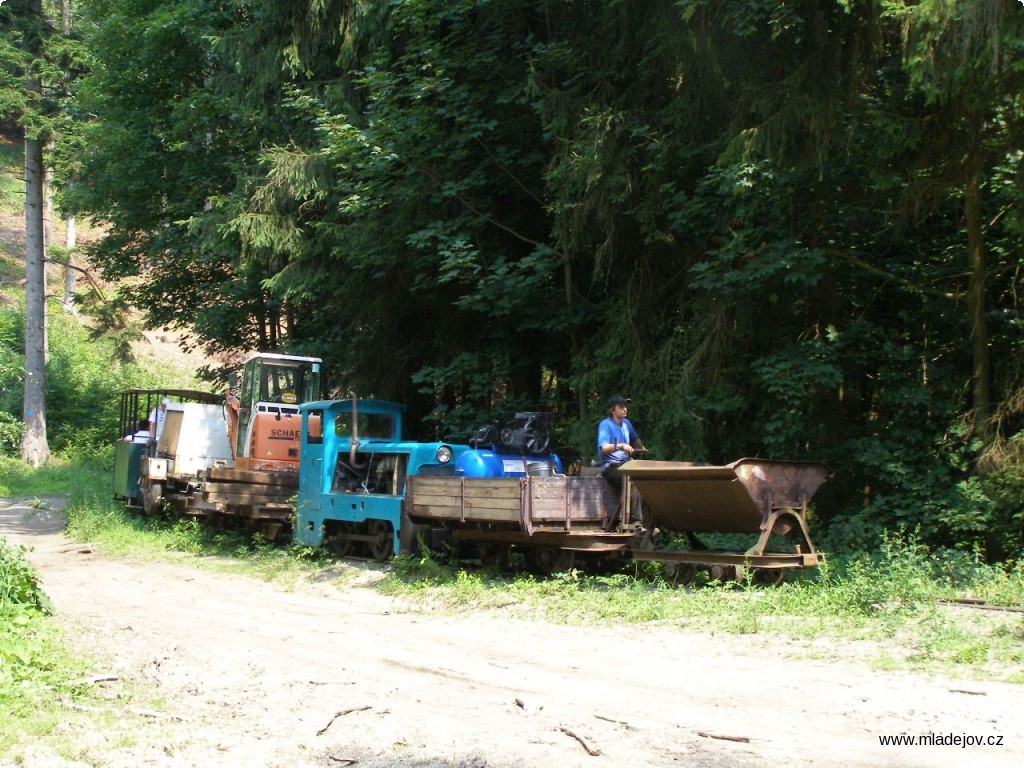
pixel 262 410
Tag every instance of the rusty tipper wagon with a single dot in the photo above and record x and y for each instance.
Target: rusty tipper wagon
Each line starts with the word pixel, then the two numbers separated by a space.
pixel 759 497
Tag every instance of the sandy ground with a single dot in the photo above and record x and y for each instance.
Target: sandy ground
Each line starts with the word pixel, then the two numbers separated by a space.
pixel 236 672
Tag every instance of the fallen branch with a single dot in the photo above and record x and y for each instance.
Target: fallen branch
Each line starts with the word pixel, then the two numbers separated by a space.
pixel 134 710
pixel 342 760
pixel 97 679
pixel 82 549
pixel 526 707
pixel 342 713
pixel 723 737
pixel 152 713
pixel 623 723
pixel 590 750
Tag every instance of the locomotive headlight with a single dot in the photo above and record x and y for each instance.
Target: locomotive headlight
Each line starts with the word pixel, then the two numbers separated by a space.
pixel 443 455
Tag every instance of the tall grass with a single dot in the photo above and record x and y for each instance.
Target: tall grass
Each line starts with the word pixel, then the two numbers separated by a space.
pixel 76 479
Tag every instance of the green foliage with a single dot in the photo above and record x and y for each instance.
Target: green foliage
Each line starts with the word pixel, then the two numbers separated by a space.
pixel 19 582
pixel 10 434
pixel 1003 486
pixel 32 664
pixel 35 672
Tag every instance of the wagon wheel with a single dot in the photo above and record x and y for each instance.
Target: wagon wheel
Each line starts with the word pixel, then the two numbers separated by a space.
pixel 340 544
pixel 679 574
pixel 724 573
pixel 383 544
pixel 494 556
pixel 549 560
pixel 151 499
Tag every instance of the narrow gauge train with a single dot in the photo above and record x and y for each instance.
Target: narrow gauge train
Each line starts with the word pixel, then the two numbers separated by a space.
pixel 359 487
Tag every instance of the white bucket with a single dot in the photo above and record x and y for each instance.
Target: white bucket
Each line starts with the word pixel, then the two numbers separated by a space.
pixel 539 469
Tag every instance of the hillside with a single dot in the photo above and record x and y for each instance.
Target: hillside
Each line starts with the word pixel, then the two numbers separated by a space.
pixel 160 346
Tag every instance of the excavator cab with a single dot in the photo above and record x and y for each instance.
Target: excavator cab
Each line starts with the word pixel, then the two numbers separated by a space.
pixel 263 410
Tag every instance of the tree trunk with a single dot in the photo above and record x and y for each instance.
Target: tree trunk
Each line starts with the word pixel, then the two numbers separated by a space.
pixel 47 196
pixel 981 410
pixel 69 226
pixel 47 201
pixel 70 242
pixel 34 448
pixel 575 348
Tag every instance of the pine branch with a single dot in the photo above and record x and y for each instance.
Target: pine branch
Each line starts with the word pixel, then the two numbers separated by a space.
pixel 848 256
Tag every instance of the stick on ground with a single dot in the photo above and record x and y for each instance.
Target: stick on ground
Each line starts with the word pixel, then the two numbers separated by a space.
pixel 341 713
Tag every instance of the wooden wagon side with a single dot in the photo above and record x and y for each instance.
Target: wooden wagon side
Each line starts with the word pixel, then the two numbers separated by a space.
pixel 568 512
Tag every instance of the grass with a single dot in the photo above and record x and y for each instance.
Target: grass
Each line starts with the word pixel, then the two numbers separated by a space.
pixel 55 698
pixel 38 676
pixel 79 480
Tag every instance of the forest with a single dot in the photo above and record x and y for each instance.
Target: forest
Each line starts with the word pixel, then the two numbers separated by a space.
pixel 784 228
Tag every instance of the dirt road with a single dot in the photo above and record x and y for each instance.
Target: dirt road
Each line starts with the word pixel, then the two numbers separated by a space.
pixel 228 671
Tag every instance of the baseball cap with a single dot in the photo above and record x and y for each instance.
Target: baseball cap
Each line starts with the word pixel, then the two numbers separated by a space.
pixel 617 400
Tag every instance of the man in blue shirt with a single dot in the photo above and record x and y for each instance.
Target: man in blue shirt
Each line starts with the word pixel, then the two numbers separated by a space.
pixel 617 441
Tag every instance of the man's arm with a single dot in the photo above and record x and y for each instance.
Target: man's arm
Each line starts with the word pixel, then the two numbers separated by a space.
pixel 635 442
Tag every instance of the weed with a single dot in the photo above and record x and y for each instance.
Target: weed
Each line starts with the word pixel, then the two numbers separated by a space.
pixel 187 536
pixel 19 582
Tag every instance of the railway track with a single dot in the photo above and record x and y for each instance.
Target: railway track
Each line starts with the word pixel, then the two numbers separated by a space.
pixel 981 605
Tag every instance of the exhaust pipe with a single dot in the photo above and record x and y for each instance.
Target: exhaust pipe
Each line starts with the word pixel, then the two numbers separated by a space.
pixel 354 443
